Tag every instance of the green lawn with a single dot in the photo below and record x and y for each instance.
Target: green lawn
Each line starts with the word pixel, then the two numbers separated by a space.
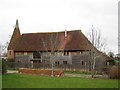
pixel 37 81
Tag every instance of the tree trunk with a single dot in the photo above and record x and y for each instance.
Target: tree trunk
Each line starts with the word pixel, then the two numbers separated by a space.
pixel 92 68
pixel 52 71
pixel 93 65
pixel 52 66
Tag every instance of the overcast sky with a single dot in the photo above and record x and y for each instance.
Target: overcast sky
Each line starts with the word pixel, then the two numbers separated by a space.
pixel 58 15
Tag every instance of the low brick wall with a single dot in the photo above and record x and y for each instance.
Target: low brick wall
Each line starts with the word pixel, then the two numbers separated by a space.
pixel 41 71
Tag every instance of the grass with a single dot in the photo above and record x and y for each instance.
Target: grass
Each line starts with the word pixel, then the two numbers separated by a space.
pixel 0 81
pixel 37 81
pixel 77 72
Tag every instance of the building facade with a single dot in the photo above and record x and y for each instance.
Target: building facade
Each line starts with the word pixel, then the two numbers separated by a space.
pixel 69 48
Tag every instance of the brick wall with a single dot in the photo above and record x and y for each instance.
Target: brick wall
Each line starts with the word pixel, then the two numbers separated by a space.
pixel 41 71
pixel 10 55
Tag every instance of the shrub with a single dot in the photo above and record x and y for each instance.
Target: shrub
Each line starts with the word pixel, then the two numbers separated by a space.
pixel 4 67
pixel 10 60
pixel 117 62
pixel 10 63
pixel 106 69
pixel 114 72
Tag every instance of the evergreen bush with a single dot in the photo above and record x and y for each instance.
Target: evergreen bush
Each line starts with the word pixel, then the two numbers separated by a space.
pixel 4 66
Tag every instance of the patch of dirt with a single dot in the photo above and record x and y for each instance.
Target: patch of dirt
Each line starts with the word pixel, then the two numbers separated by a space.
pixel 8 71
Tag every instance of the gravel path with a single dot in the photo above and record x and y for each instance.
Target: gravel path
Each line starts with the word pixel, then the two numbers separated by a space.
pixel 86 76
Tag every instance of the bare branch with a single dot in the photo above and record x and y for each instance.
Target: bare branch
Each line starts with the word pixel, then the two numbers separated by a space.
pixel 95 38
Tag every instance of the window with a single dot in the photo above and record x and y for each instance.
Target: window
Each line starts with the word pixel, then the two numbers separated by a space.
pixel 36 61
pixel 36 55
pixel 64 62
pixel 25 53
pixel 10 52
pixel 19 61
pixel 57 62
pixel 85 63
pixel 66 53
pixel 108 63
pixel 81 52
pixel 18 53
pixel 82 62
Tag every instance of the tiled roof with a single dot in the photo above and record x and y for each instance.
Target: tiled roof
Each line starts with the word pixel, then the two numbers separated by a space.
pixel 40 41
pixel 107 57
pixel 14 39
pixel 76 40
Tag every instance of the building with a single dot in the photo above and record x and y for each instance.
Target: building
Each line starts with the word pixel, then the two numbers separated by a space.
pixel 70 47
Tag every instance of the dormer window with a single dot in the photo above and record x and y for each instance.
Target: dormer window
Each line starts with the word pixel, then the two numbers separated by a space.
pixel 25 53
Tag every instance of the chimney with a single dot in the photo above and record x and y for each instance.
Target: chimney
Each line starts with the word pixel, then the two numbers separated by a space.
pixel 65 34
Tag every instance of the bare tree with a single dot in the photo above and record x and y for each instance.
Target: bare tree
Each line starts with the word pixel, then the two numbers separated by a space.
pixel 95 46
pixel 51 44
pixel 2 49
